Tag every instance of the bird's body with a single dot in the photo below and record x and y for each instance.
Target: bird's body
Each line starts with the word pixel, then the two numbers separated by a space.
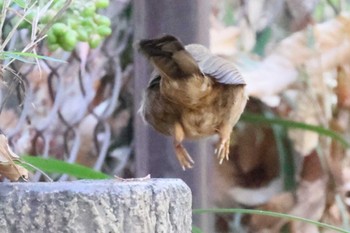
pixel 192 94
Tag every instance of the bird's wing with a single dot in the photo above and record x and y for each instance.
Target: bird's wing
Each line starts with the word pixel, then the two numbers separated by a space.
pixel 169 57
pixel 214 66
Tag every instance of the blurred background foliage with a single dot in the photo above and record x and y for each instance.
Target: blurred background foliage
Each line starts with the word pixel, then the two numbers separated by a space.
pixel 295 58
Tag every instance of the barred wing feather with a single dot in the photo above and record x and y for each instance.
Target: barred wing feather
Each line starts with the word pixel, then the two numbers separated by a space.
pixel 214 66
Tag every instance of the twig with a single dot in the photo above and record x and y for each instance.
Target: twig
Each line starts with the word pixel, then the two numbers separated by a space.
pixel 36 168
pixel 14 29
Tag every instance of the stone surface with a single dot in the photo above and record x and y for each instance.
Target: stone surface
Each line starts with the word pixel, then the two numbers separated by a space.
pixel 108 206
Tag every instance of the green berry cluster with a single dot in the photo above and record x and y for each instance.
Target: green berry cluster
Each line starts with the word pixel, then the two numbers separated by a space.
pixel 80 22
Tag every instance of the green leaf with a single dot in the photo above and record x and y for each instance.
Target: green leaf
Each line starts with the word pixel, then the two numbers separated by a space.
pixel 21 55
pixel 271 214
pixel 285 154
pixel 229 18
pixel 196 229
pixel 259 119
pixel 21 3
pixel 57 166
pixel 263 38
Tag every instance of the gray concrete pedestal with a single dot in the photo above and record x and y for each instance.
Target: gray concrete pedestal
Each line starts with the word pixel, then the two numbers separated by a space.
pixel 105 206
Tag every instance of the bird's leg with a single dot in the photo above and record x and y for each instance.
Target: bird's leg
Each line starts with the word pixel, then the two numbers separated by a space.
pixel 182 155
pixel 223 147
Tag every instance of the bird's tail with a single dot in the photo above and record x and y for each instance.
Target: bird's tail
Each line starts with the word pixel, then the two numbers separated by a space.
pixel 169 56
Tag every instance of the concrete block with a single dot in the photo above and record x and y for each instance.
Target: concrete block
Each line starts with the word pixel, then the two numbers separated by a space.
pixel 105 206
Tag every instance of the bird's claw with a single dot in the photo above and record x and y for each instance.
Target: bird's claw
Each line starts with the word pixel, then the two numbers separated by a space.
pixel 222 151
pixel 186 163
pixel 184 158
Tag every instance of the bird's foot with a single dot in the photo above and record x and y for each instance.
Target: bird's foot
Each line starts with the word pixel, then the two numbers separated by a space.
pixel 222 150
pixel 184 158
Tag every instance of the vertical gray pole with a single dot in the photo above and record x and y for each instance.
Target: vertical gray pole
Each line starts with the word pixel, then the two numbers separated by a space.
pixel 189 21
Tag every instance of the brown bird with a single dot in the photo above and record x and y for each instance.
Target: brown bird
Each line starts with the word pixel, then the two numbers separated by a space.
pixel 192 94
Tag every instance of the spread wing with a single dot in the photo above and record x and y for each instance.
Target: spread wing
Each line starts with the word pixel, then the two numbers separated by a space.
pixel 172 59
pixel 214 66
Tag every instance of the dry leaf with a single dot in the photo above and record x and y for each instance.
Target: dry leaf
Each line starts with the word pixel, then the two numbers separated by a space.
pixel 311 195
pixel 13 172
pixel 328 49
pixel 309 201
pixel 6 153
pixel 343 86
pixel 304 141
pixel 223 41
pixel 280 203
pixel 301 11
pixel 8 119
pixel 8 168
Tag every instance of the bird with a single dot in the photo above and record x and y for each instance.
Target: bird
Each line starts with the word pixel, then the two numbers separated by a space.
pixel 191 94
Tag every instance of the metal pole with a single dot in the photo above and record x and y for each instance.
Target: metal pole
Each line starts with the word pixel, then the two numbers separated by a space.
pixel 189 21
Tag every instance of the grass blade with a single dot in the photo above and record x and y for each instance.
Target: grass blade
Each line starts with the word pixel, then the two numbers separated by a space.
pixel 284 153
pixel 271 214
pixel 18 58
pixel 259 119
pixel 20 3
pixel 57 166
pixel 196 229
pixel 22 55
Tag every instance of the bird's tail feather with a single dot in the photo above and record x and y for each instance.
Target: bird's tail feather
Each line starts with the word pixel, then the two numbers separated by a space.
pixel 170 57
